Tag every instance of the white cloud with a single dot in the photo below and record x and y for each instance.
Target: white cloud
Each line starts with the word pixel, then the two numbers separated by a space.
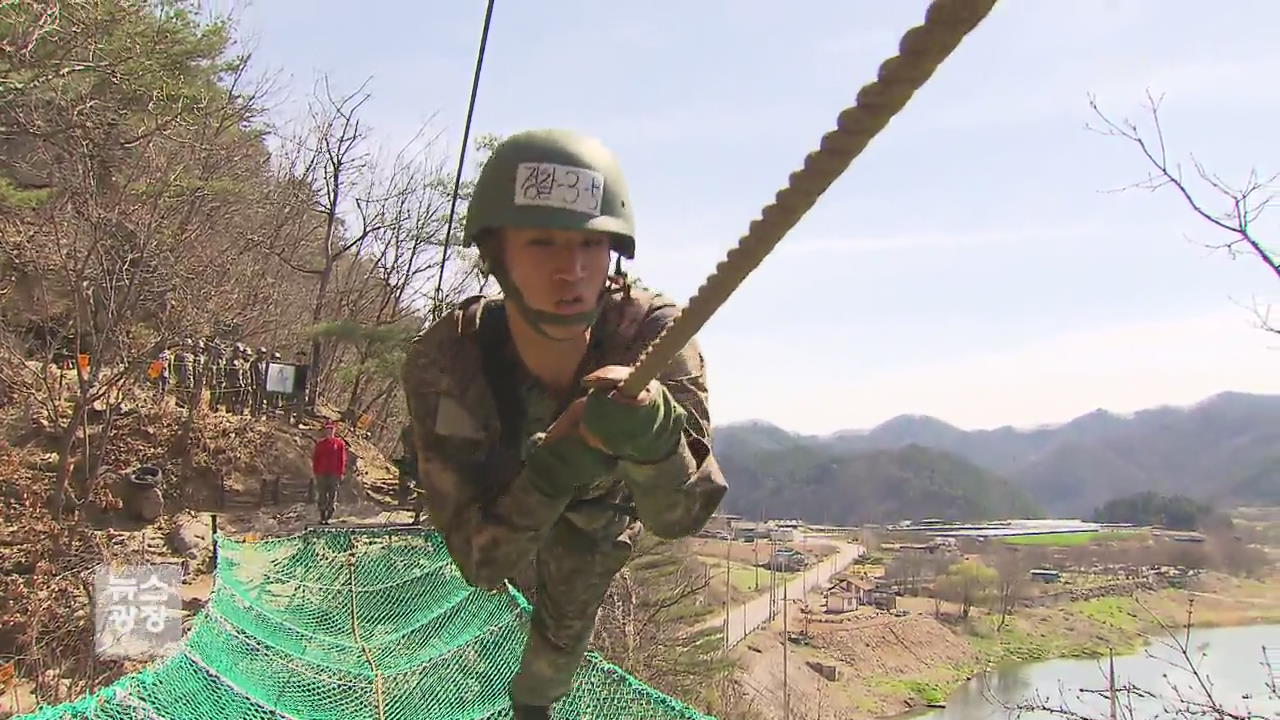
pixel 1121 368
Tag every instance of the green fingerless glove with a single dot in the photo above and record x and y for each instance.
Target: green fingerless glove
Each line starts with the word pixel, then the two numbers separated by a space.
pixel 639 433
pixel 559 467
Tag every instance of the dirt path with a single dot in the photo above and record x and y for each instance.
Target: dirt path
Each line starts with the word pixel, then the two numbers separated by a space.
pixel 744 619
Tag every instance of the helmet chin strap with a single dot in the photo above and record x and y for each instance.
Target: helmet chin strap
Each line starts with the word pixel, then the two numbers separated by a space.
pixel 536 319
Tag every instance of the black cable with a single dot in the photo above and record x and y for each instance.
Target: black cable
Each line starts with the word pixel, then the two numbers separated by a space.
pixel 438 298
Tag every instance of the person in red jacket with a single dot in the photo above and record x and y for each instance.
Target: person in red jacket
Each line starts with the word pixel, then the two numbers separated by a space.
pixel 328 464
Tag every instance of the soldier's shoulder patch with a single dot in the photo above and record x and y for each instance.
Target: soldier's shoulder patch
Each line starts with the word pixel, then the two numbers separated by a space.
pixel 454 420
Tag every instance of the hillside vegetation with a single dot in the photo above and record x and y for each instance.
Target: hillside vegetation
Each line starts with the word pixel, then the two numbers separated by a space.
pixel 147 197
pixel 914 482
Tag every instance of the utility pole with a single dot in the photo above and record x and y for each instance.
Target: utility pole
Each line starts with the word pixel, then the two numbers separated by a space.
pixel 770 561
pixel 728 590
pixel 755 559
pixel 773 581
pixel 1111 681
pixel 786 641
pixel 756 542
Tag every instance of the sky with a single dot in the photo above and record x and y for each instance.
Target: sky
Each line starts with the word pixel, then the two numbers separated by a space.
pixel 974 263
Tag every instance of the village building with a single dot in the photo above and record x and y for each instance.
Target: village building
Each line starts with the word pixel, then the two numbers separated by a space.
pixel 846 594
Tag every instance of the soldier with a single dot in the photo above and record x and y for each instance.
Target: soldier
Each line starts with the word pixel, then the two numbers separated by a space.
pixel 246 381
pixel 245 399
pixel 484 382
pixel 227 384
pixel 296 408
pixel 217 369
pixel 230 378
pixel 184 372
pixel 198 360
pixel 407 463
pixel 258 382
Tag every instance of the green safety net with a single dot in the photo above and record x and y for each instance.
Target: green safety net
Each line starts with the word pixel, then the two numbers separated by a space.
pixel 353 623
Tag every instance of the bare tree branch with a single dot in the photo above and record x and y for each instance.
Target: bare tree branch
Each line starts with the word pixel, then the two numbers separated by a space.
pixel 1245 204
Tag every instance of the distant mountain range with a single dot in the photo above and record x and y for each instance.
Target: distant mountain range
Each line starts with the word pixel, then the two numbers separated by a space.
pixel 1224 450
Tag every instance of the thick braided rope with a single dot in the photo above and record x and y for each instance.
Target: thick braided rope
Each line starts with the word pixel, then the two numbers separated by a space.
pixel 920 51
pixel 352 555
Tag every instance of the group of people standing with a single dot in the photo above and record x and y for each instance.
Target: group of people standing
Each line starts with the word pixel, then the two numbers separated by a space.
pixel 235 377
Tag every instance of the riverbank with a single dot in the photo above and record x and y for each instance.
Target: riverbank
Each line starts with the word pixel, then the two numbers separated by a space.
pixel 1090 628
pixel 1222 654
pixel 886 666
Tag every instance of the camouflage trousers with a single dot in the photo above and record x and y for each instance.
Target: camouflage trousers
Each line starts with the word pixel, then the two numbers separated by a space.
pixel 410 493
pixel 233 400
pixel 571 574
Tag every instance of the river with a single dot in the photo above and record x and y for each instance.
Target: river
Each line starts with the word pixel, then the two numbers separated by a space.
pixel 1231 657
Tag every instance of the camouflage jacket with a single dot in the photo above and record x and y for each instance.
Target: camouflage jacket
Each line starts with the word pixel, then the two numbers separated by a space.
pixel 235 375
pixel 258 373
pixel 183 364
pixel 215 368
pixel 470 442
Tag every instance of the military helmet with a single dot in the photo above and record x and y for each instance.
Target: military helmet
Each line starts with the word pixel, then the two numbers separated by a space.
pixel 262 351
pixel 275 355
pixel 555 179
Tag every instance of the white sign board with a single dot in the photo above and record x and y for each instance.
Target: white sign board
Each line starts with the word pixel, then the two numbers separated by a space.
pixel 280 377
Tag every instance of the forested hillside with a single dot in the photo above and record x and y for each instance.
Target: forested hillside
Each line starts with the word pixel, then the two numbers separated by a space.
pixel 791 477
pixel 147 197
pixel 1224 450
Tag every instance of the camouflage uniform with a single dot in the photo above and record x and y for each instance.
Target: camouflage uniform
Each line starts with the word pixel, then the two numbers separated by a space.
pixel 217 370
pixel 234 380
pixel 474 407
pixel 184 372
pixel 199 371
pixel 258 382
pixel 407 464
pixel 296 409
pixel 244 398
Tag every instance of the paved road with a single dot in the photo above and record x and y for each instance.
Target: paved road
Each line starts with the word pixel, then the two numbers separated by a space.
pixel 743 620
